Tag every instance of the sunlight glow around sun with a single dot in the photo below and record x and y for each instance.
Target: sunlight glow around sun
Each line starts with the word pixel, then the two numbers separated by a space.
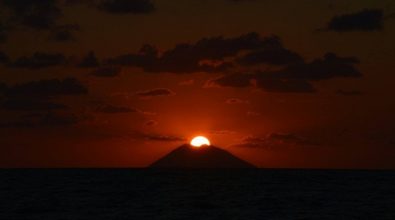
pixel 200 141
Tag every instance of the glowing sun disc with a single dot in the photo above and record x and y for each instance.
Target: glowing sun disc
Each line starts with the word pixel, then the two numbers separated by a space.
pixel 200 141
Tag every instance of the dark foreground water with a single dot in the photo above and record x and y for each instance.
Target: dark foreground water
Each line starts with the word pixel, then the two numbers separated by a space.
pixel 196 194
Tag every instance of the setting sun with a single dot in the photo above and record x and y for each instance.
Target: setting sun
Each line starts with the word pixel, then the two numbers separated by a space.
pixel 199 141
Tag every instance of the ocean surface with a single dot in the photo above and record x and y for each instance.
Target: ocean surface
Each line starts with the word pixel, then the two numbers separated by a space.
pixel 196 194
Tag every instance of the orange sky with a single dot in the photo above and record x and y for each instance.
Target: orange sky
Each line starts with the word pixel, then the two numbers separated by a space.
pixel 154 103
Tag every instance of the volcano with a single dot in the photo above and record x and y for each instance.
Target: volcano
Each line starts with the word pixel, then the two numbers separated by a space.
pixel 187 156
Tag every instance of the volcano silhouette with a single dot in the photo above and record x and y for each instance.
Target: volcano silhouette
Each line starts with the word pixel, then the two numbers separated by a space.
pixel 186 156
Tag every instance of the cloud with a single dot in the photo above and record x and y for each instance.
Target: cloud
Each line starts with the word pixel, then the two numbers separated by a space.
pixel 240 59
pixel 137 135
pixel 253 114
pixel 295 78
pixel 42 99
pixel 266 82
pixel 159 137
pixel 112 109
pixel 3 57
pixel 222 132
pixel 146 56
pixel 39 60
pixel 106 72
pixel 89 61
pixel 272 52
pixel 155 93
pixel 39 95
pixel 186 58
pixel 205 55
pixel 236 101
pixel 289 138
pixel 365 20
pixel 41 15
pixel 263 81
pixel 64 33
pixel 237 1
pixel 26 104
pixel 151 123
pixel 56 119
pixel 226 55
pixel 285 85
pixel 236 80
pixel 127 6
pixel 244 53
pixel 50 119
pixel 3 88
pixel 349 92
pixel 47 88
pixel 3 33
pixel 328 67
pixel 187 82
pixel 275 141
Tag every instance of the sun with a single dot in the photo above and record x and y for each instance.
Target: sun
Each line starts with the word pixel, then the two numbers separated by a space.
pixel 200 141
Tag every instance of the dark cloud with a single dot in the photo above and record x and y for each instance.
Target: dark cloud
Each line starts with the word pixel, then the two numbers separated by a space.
pixel 230 55
pixel 186 58
pixel 265 82
pixel 41 15
pixel 39 60
pixel 106 72
pixel 151 123
pixel 112 109
pixel 206 55
pixel 89 61
pixel 284 85
pixel 331 66
pixel 295 78
pixel 253 114
pixel 272 52
pixel 275 141
pixel 3 33
pixel 3 37
pixel 3 57
pixel 75 2
pixel 365 20
pixel 47 88
pixel 187 82
pixel 240 1
pixel 159 137
pixel 3 88
pixel 236 101
pixel 39 95
pixel 349 92
pixel 127 6
pixel 26 104
pixel 155 92
pixel 289 138
pixel 41 98
pixel 145 57
pixel 236 80
pixel 56 119
pixel 222 132
pixel 64 33
pixel 50 119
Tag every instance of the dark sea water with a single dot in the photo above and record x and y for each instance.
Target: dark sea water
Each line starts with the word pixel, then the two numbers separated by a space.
pixel 196 194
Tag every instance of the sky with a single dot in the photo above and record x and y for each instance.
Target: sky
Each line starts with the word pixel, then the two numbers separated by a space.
pixel 120 83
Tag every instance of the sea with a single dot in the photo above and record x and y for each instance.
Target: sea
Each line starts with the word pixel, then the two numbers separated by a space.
pixel 196 194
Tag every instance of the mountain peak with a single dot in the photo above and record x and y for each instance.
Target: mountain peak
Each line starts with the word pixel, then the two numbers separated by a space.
pixel 187 156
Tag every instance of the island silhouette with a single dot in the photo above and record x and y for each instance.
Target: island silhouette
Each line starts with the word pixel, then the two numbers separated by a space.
pixel 187 156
